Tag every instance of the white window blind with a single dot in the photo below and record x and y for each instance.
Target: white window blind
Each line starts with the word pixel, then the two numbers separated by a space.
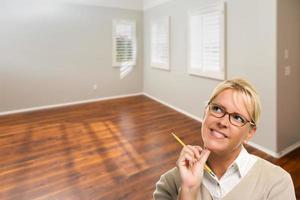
pixel 124 42
pixel 206 42
pixel 160 43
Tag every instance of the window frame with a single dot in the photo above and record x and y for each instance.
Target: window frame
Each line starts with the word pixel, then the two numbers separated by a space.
pixel 202 71
pixel 132 23
pixel 155 22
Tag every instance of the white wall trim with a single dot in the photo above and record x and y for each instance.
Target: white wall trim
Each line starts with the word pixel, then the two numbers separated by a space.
pixel 276 154
pixel 263 149
pixel 257 146
pixel 67 104
pixel 152 3
pixel 289 149
pixel 174 107
pixel 125 4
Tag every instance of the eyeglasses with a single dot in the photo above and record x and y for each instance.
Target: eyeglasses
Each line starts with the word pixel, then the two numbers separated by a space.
pixel 234 118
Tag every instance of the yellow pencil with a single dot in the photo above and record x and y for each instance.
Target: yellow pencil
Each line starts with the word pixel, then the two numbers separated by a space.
pixel 205 166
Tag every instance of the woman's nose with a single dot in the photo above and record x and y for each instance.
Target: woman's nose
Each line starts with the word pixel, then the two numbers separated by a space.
pixel 224 121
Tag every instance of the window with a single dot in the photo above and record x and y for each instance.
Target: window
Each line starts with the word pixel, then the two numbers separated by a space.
pixel 160 43
pixel 124 43
pixel 207 42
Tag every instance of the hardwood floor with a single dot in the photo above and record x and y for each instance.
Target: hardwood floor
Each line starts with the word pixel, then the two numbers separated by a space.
pixel 115 149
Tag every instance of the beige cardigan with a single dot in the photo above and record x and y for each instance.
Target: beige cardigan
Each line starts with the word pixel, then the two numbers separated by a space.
pixel 264 181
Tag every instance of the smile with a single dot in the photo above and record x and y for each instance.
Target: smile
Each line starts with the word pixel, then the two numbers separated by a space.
pixel 217 134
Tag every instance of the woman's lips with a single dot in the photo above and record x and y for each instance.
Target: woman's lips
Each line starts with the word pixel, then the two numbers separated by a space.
pixel 218 134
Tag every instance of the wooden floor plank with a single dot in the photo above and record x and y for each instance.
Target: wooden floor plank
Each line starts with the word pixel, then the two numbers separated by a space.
pixel 114 149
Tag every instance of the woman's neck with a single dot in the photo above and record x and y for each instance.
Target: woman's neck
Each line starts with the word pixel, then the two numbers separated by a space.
pixel 219 163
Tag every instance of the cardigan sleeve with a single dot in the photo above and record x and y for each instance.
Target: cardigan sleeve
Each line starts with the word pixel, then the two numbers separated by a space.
pixel 283 188
pixel 168 185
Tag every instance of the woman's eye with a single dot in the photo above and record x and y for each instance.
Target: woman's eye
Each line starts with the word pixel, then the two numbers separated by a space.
pixel 218 109
pixel 238 118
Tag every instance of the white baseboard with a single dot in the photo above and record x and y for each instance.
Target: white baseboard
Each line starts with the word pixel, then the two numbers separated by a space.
pixel 175 108
pixel 276 154
pixel 66 104
pixel 257 146
pixel 263 149
pixel 289 149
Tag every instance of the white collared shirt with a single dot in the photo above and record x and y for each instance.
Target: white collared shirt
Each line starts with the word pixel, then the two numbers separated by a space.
pixel 218 188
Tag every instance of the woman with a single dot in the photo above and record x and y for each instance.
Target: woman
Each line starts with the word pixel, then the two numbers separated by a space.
pixel 230 119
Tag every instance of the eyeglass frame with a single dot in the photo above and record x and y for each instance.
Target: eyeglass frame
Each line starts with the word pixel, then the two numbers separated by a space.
pixel 229 115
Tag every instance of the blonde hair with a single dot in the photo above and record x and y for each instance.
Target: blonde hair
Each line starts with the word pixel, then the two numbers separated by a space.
pixel 251 98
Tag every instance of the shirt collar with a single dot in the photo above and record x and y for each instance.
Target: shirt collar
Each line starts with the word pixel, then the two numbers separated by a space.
pixel 241 162
pixel 239 165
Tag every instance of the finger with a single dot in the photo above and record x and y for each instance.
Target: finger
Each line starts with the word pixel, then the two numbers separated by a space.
pixel 188 150
pixel 204 156
pixel 198 148
pixel 195 151
pixel 188 157
pixel 185 160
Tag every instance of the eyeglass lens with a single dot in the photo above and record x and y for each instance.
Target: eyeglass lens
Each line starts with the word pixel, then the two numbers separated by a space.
pixel 234 118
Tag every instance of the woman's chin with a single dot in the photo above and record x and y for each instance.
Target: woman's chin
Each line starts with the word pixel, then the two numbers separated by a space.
pixel 214 148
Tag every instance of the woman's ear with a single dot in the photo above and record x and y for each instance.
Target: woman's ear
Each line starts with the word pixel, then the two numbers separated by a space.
pixel 250 134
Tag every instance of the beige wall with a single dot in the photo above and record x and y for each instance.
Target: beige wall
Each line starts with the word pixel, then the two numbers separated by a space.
pixel 288 86
pixel 54 53
pixel 251 53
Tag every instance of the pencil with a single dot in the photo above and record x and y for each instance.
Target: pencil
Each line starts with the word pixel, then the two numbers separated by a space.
pixel 205 166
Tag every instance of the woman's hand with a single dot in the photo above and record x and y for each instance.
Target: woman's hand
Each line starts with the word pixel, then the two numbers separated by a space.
pixel 191 164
